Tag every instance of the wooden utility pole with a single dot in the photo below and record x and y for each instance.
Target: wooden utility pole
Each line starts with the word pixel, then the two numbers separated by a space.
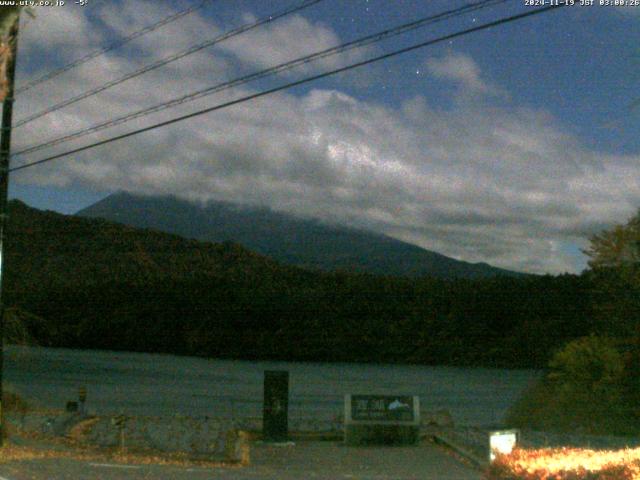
pixel 11 22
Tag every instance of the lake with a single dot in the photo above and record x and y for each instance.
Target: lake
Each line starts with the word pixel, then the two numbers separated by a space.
pixel 155 384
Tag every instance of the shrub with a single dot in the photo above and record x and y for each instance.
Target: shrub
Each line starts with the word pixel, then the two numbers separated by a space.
pixel 582 391
pixel 12 402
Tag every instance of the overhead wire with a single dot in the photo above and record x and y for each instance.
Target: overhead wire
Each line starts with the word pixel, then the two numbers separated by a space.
pixel 358 43
pixel 91 55
pixel 172 58
pixel 286 86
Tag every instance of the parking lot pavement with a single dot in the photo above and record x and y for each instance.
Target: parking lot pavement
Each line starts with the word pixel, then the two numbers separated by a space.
pixel 302 460
pixel 332 460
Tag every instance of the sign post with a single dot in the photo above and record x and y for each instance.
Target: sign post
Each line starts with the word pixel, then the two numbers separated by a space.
pixel 120 422
pixel 82 398
pixel 381 419
pixel 275 413
pixel 502 442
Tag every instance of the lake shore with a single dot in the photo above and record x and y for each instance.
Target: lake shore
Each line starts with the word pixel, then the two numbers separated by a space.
pixel 140 384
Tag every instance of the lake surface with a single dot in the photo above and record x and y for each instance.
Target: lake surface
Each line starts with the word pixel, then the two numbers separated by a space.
pixel 152 384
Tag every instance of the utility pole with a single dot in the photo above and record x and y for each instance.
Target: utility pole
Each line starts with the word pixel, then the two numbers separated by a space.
pixel 11 50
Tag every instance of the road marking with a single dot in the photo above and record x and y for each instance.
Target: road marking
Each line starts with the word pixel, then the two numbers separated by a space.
pixel 112 465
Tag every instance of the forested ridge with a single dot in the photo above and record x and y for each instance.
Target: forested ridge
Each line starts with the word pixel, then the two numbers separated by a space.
pixel 96 284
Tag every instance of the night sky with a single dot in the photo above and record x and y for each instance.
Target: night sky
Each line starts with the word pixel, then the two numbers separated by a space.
pixel 509 146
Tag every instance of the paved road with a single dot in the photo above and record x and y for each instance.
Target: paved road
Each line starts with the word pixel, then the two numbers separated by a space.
pixel 304 460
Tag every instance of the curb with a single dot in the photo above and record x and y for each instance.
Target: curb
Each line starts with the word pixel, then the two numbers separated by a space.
pixel 477 461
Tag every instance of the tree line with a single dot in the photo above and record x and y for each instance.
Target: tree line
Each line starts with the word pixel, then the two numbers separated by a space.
pixel 87 283
pixel 96 284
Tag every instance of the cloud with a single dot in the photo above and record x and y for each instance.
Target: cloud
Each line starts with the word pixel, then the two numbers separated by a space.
pixel 286 39
pixel 65 27
pixel 461 69
pixel 499 184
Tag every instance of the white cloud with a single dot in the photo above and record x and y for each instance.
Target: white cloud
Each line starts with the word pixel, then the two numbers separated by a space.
pixel 503 185
pixel 462 69
pixel 286 39
pixel 65 27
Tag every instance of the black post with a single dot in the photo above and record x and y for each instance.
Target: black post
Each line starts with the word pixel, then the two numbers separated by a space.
pixel 5 151
pixel 275 413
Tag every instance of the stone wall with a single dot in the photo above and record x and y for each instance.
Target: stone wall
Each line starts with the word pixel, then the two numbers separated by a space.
pixel 193 435
pixel 204 435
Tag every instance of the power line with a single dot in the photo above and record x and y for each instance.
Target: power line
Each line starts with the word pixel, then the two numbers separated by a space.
pixel 267 72
pixel 153 66
pixel 478 28
pixel 367 40
pixel 171 18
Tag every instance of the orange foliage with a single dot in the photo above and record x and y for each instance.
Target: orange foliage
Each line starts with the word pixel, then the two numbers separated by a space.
pixel 566 464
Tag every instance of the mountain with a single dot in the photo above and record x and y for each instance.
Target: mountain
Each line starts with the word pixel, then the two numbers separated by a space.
pixel 288 239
